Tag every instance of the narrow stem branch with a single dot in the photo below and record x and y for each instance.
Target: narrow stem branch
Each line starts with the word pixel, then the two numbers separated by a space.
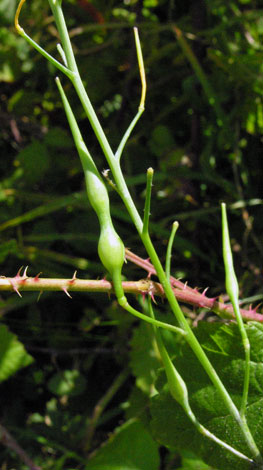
pixel 142 287
pixel 169 250
pixel 198 350
pixel 189 295
pixel 143 94
pixel 233 292
pixel 147 206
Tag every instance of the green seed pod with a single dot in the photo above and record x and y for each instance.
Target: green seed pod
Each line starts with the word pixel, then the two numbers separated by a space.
pixel 177 386
pixel 110 248
pixel 98 195
pixel 111 251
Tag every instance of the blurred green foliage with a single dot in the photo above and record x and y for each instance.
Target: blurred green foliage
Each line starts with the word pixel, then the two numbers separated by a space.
pixel 201 157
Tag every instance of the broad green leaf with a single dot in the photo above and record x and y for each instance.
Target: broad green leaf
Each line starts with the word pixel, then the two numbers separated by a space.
pixel 13 355
pixel 35 161
pixel 144 362
pixel 191 462
pixel 130 448
pixel 170 425
pixel 67 382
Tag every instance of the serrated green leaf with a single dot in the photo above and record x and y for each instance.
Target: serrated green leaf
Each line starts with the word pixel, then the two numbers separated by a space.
pixel 13 355
pixel 130 448
pixel 170 425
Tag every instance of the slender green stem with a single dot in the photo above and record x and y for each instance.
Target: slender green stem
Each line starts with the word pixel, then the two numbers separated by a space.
pixel 147 206
pixel 179 392
pixel 127 199
pixel 124 303
pixel 85 157
pixel 197 349
pixel 143 94
pixel 127 134
pixel 55 6
pixel 233 292
pixel 169 250
pixel 62 54
pixel 89 165
pixel 32 43
pixel 141 68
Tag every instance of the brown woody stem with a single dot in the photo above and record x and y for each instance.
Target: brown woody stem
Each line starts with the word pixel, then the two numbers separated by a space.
pixel 182 292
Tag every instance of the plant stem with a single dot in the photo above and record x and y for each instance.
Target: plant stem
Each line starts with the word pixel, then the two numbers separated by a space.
pixel 147 206
pixel 132 210
pixel 233 292
pixel 197 349
pixel 169 250
pixel 179 392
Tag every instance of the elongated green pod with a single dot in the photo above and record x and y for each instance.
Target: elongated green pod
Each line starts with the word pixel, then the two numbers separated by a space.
pixel 112 255
pixel 177 386
pixel 230 276
pixel 110 247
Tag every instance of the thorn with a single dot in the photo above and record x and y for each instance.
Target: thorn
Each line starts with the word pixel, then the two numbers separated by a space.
pixel 254 310
pixel 15 288
pixel 204 291
pixel 74 277
pixel 24 276
pixel 66 292
pixel 24 273
pixel 39 295
pixel 152 297
pixel 150 292
pixel 19 271
pixel 17 291
pixel 185 285
pixel 150 273
pixel 36 278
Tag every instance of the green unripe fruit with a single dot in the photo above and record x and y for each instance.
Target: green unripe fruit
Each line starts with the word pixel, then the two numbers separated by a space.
pixel 98 195
pixel 111 250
